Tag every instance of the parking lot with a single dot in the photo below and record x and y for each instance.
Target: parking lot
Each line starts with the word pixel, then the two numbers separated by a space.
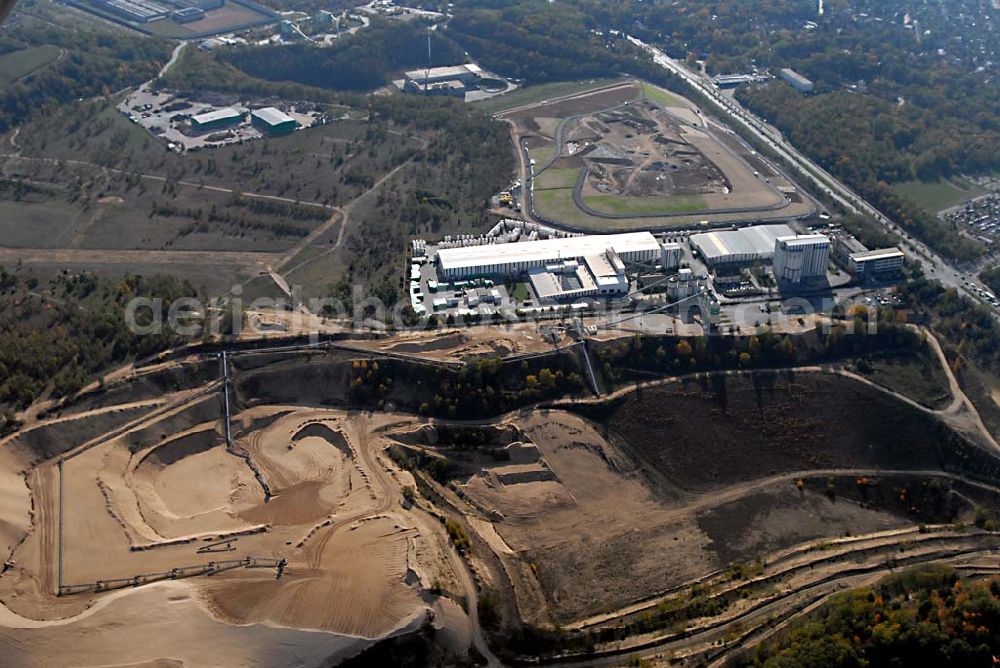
pixel 981 216
pixel 167 115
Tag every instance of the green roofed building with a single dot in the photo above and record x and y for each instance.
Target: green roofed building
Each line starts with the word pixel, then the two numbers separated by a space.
pixel 273 121
pixel 219 118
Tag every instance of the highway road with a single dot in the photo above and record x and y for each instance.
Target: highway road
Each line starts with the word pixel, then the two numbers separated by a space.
pixel 934 265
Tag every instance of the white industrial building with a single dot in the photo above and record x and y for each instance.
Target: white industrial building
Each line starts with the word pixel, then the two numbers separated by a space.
pixel 454 80
pixel 796 80
pixel 218 118
pixel 140 11
pixel 801 257
pixel 518 258
pixel 743 246
pixel 558 269
pixel 596 275
pixel 467 73
pixel 875 262
pixel 671 255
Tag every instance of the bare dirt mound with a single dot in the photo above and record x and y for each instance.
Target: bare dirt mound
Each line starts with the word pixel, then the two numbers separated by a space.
pixel 170 501
pixel 16 508
pixel 190 476
pixel 670 484
pixel 309 468
pixel 640 151
pixel 323 432
pixel 596 534
pixel 354 583
pixel 164 625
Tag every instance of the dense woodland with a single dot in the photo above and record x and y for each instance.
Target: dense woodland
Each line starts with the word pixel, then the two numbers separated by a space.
pixel 200 71
pixel 878 144
pixel 992 278
pixel 94 61
pixel 923 617
pixel 359 62
pixel 60 333
pixel 643 357
pixel 540 41
pixel 969 328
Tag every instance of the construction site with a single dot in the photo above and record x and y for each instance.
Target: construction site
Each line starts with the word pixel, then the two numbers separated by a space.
pixel 632 156
pixel 279 495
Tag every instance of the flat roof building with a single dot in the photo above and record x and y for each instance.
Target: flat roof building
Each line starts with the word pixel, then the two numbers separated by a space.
pixel 453 80
pixel 517 258
pixel 140 11
pixel 188 14
pixel 844 246
pixel 874 263
pixel 596 275
pixel 200 4
pixel 733 80
pixel 801 257
pixel 216 119
pixel 796 80
pixel 466 73
pixel 273 121
pixel 742 246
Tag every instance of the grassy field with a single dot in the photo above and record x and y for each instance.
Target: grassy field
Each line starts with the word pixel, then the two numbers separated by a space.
pixel 535 94
pixel 146 217
pixel 662 96
pixel 542 154
pixel 557 178
pixel 638 205
pixel 558 205
pixel 33 224
pixel 937 196
pixel 21 63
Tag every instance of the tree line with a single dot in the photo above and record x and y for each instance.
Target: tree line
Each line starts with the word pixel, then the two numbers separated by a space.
pixel 926 616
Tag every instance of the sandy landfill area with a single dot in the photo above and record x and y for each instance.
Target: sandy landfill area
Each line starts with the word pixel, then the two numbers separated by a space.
pixel 165 492
pixel 261 507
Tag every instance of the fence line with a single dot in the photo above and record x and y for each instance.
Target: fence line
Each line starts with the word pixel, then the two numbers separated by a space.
pixel 210 568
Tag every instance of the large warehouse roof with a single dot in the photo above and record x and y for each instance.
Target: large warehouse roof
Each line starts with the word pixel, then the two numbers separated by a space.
pixel 547 249
pixel 450 72
pixel 272 116
pixel 227 113
pixel 755 241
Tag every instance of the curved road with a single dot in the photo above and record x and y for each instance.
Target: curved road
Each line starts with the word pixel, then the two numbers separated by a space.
pixel 820 178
